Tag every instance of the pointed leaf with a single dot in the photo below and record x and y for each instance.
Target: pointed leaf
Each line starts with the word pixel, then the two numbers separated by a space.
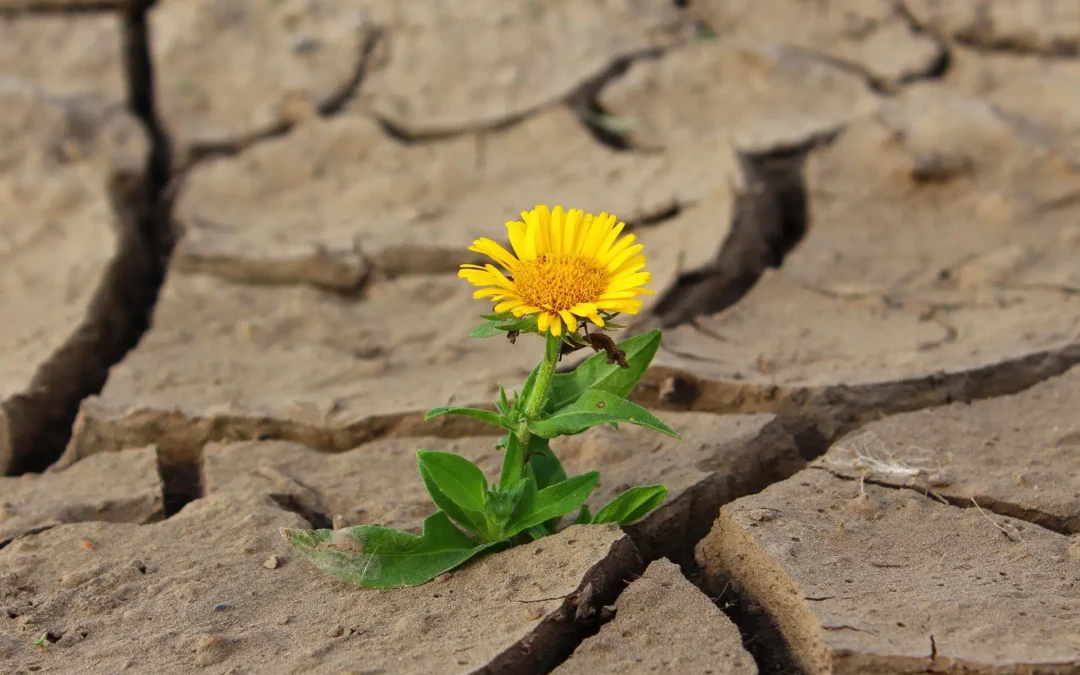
pixel 485 330
pixel 469 488
pixel 594 408
pixel 379 557
pixel 512 463
pixel 631 505
pixel 552 502
pixel 583 516
pixel 495 324
pixel 482 415
pixel 458 478
pixel 504 404
pixel 596 373
pixel 526 390
pixel 539 531
pixel 546 467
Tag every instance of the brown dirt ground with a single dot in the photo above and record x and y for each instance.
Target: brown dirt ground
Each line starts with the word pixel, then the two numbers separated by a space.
pixel 862 222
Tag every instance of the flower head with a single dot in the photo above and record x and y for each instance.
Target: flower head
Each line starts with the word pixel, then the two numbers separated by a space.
pixel 566 266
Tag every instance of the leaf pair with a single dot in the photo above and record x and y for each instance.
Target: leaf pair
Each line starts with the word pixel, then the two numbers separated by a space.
pixel 459 489
pixel 593 374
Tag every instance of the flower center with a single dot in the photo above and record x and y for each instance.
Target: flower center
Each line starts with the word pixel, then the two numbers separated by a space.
pixel 558 281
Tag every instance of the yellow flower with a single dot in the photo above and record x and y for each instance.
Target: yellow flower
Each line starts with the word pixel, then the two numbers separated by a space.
pixel 566 266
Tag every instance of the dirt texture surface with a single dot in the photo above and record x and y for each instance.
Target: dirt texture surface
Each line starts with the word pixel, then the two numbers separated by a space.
pixel 336 203
pixel 861 578
pixel 121 487
pixel 63 135
pixel 663 624
pixel 980 454
pixel 229 238
pixel 943 252
pixel 490 62
pixel 138 585
pixel 872 38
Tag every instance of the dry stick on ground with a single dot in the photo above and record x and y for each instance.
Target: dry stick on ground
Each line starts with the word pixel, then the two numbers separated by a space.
pixel 1008 535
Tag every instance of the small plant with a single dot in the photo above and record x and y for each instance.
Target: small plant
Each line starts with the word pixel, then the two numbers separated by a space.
pixel 568 270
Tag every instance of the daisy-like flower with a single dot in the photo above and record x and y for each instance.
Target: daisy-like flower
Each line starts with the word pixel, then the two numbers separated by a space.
pixel 566 266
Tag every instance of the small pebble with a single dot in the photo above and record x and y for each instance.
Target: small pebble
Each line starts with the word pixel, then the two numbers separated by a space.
pixel 87 545
pixel 334 632
pixel 221 607
pixel 271 562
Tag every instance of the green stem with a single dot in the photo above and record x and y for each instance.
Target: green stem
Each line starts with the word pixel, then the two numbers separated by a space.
pixel 535 405
pixel 516 459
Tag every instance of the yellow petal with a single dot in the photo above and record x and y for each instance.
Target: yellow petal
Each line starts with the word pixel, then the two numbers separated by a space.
pixel 480 278
pixel 570 232
pixel 500 278
pixel 543 229
pixel 605 245
pixel 618 295
pixel 488 292
pixel 584 308
pixel 524 309
pixel 543 321
pixel 516 231
pixel 617 249
pixel 598 230
pixel 630 266
pixel 556 325
pixel 508 305
pixel 558 220
pixel 595 318
pixel 530 236
pixel 620 306
pixel 494 251
pixel 618 260
pixel 628 282
pixel 569 320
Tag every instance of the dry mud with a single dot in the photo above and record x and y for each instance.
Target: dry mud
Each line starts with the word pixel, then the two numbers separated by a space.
pixel 228 238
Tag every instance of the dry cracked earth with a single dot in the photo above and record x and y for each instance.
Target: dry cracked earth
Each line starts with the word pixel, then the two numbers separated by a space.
pixel 228 238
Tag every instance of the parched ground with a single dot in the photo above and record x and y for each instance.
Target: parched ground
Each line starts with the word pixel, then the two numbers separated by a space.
pixel 228 241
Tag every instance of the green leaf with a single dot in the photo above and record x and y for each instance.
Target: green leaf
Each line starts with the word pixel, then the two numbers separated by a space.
pixel 512 463
pixel 596 373
pixel 631 505
pixel 583 517
pixel 458 487
pixel 503 323
pixel 595 408
pixel 458 478
pixel 526 390
pixel 546 467
pixel 379 557
pixel 485 330
pixel 552 502
pixel 482 415
pixel 539 531
pixel 503 404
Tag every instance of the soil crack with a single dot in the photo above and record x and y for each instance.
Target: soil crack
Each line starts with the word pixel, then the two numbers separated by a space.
pixel 983 503
pixel 770 218
pixel 371 37
pixel 40 422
